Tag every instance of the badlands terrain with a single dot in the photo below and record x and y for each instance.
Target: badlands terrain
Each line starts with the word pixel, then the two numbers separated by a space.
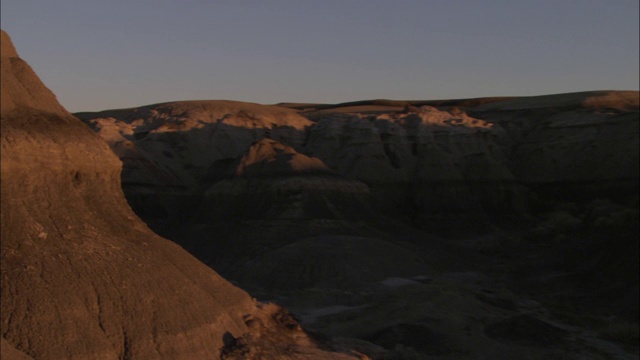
pixel 491 228
pixel 472 228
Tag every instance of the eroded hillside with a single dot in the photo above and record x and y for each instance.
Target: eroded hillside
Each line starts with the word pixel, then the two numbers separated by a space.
pixel 84 278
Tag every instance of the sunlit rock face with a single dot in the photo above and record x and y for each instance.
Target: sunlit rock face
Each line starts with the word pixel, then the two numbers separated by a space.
pixel 82 276
pixel 268 157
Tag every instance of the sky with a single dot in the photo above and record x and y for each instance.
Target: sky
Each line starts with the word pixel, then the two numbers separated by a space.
pixel 97 55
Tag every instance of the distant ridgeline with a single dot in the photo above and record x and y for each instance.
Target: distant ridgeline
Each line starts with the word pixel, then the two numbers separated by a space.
pixel 431 164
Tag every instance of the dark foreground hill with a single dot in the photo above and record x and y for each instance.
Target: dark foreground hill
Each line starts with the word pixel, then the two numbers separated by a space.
pixel 84 278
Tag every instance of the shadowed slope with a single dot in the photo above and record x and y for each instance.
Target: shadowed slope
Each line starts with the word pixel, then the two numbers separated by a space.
pixel 82 276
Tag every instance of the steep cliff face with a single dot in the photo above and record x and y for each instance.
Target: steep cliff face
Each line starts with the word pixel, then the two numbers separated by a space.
pixel 82 276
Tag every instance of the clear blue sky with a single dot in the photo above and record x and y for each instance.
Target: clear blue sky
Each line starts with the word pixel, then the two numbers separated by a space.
pixel 105 54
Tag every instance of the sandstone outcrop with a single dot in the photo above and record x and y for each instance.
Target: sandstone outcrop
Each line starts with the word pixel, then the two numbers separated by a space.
pixel 82 276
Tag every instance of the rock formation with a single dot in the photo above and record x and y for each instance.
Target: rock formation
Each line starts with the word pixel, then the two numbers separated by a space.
pixel 485 160
pixel 83 277
pixel 268 157
pixel 189 136
pixel 335 211
pixel 427 165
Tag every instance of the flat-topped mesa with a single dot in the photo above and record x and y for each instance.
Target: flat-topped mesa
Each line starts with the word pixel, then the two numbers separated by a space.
pixel 82 276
